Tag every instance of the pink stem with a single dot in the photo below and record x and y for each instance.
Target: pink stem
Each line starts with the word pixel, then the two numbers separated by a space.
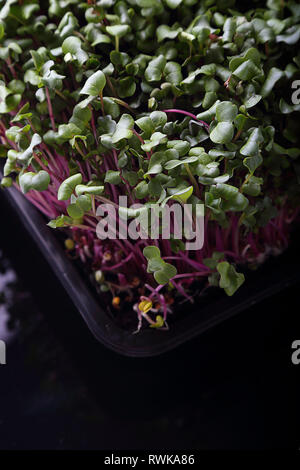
pixel 94 125
pixel 50 109
pixel 182 291
pixel 191 275
pixel 116 266
pixel 187 113
pixel 142 141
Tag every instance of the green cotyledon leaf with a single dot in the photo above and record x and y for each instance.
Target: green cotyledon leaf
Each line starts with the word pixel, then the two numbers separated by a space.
pixel 119 30
pixel 172 72
pixel 155 139
pixel 72 49
pixel 84 189
pixel 67 25
pixel 126 87
pixel 161 270
pixel 226 111
pixel 112 177
pixel 167 32
pixel 81 204
pixel 94 84
pixel 60 221
pixel 230 279
pixel 68 186
pixel 173 3
pixel 233 199
pixel 155 68
pixel 251 147
pixel 24 156
pixel 38 181
pixel 222 133
pixel 123 129
pixel 273 77
pixel 247 70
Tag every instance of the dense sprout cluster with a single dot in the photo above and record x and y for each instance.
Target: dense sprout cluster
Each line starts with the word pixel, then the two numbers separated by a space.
pixel 161 101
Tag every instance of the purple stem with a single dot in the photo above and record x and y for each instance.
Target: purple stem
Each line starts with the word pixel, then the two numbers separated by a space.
pixel 116 266
pixel 112 186
pixel 142 141
pixel 50 109
pixel 187 113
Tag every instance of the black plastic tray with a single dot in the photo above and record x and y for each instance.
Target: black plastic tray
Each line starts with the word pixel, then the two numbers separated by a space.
pixel 275 275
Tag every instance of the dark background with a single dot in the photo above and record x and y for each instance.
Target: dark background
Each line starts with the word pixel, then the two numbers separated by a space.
pixel 233 387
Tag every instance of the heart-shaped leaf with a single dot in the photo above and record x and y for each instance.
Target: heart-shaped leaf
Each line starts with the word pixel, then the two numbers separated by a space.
pixel 154 71
pixel 123 129
pixel 72 49
pixel 230 279
pixel 226 111
pixel 222 133
pixel 38 181
pixel 94 84
pixel 84 189
pixel 273 77
pixel 24 156
pixel 161 270
pixel 167 32
pixel 251 147
pixel 183 195
pixel 119 30
pixel 112 177
pixel 68 186
pixel 172 72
